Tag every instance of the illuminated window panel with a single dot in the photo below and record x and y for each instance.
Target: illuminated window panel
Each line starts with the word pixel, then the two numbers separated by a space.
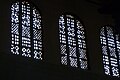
pixel 15 28
pixel 72 42
pixel 37 34
pixel 110 50
pixel 26 30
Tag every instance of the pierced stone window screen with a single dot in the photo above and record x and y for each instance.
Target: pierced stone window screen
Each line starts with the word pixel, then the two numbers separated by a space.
pixel 110 51
pixel 72 42
pixel 26 30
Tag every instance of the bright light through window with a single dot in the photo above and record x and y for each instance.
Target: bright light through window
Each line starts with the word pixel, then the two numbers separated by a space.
pixel 26 30
pixel 110 50
pixel 72 42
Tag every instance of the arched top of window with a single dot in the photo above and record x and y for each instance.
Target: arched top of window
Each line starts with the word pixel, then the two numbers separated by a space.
pixel 108 29
pixel 72 42
pixel 26 30
pixel 110 46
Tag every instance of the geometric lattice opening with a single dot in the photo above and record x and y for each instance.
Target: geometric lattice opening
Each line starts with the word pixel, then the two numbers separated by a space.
pixel 72 42
pixel 26 30
pixel 110 46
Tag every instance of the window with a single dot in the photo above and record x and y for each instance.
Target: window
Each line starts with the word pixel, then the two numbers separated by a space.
pixel 72 42
pixel 110 45
pixel 26 30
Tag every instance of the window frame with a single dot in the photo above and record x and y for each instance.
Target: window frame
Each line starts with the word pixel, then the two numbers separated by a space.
pixel 32 7
pixel 76 18
pixel 110 65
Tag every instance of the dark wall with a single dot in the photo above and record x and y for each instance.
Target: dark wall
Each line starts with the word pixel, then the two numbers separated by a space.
pixel 50 68
pixel 20 69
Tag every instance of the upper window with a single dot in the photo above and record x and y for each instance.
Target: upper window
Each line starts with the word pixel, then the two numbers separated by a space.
pixel 72 42
pixel 110 51
pixel 26 30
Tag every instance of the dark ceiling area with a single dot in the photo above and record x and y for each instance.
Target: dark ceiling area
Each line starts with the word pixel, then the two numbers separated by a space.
pixel 107 6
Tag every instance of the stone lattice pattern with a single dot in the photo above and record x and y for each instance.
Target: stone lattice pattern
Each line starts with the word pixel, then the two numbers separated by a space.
pixel 72 42
pixel 26 30
pixel 110 50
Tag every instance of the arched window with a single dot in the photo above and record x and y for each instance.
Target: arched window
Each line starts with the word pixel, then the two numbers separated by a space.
pixel 26 30
pixel 72 42
pixel 110 45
